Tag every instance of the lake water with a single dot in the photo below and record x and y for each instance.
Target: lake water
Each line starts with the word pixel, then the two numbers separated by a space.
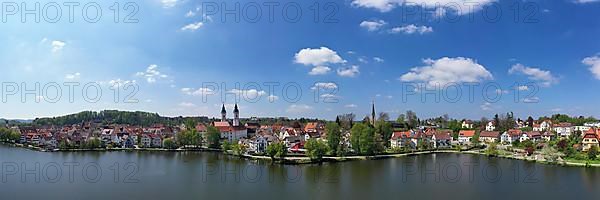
pixel 29 174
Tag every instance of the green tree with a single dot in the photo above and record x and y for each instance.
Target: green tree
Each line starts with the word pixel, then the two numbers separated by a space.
pixel 168 143
pixel 93 143
pixel 315 149
pixel 355 136
pixel 276 150
pixel 226 146
pixel 492 149
pixel 238 149
pixel 550 154
pixel 213 137
pixel 385 130
pixel 367 141
pixel 592 153
pixel 334 136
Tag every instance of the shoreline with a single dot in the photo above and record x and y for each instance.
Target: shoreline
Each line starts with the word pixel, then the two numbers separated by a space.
pixel 300 160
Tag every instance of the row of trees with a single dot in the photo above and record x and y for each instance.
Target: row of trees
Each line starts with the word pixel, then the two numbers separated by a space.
pixel 9 135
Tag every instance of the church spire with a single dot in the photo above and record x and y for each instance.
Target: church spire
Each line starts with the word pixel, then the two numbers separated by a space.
pixel 236 116
pixel 373 114
pixel 223 114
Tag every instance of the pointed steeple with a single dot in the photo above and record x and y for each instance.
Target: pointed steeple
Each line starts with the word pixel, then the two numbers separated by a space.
pixel 236 116
pixel 223 114
pixel 373 114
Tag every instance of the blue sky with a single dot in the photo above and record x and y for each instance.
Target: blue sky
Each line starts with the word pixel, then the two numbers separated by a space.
pixel 364 50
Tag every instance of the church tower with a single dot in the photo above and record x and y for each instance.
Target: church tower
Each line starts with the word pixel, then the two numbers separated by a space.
pixel 236 116
pixel 373 114
pixel 223 114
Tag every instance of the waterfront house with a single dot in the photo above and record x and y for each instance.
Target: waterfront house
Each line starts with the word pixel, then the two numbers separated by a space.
pixel 489 136
pixel 547 136
pixel 156 140
pixel 400 139
pixel 465 136
pixel 510 136
pixel 442 139
pixel 535 136
pixel 563 129
pixel 590 139
pixel 146 140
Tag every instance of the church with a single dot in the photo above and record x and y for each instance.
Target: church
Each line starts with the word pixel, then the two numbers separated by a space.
pixel 231 131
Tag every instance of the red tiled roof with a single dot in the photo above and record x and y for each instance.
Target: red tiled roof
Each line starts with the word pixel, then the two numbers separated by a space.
pixel 466 133
pixel 400 134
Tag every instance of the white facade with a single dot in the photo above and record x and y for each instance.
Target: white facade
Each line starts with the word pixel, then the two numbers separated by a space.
pixel 490 126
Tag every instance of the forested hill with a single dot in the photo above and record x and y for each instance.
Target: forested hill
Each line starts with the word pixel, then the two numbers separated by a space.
pixel 115 117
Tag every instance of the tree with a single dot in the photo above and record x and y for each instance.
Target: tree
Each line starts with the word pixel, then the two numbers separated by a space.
pixel 550 154
pixel 367 141
pixel 226 146
pixel 401 119
pixel 238 149
pixel 383 116
pixel 592 153
pixel 276 150
pixel 214 136
pixel 93 143
pixel 334 136
pixel 384 130
pixel 355 134
pixel 315 149
pixel 492 149
pixel 169 144
pixel 412 119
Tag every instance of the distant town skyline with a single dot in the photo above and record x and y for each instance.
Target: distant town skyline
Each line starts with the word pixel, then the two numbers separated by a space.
pixel 177 53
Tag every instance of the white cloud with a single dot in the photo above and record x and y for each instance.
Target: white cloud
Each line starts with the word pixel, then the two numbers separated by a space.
pixel 486 106
pixel 544 77
pixel 299 108
pixel 351 106
pixel 348 71
pixel 57 45
pixel 319 70
pixel 120 83
pixel 197 92
pixel 459 7
pixel 169 3
pixel 317 57
pixel 363 60
pixel 192 27
pixel 522 88
pixel 378 59
pixel 250 94
pixel 372 25
pixel 323 85
pixel 187 104
pixel 152 74
pixel 272 98
pixel 73 76
pixel 585 1
pixel 531 100
pixel 190 14
pixel 412 29
pixel 448 70
pixel 556 110
pixel 329 96
pixel 594 63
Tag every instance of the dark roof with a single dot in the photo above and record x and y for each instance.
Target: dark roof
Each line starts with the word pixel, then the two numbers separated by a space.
pixel 223 109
